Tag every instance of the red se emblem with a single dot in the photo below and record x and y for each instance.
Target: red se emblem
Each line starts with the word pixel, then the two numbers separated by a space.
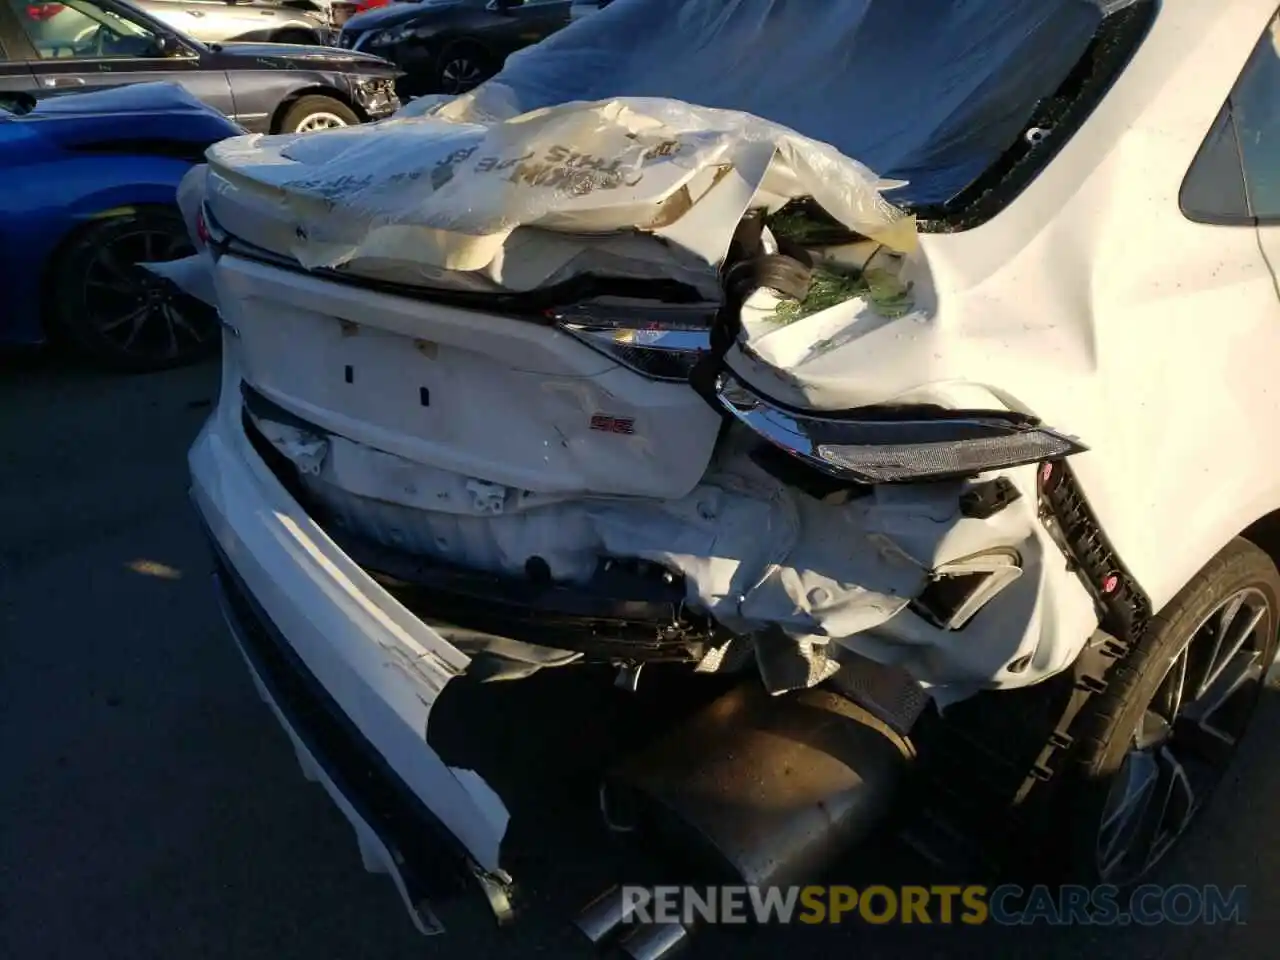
pixel 609 424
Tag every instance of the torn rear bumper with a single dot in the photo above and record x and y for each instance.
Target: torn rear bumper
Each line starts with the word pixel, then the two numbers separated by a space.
pixel 395 833
pixel 351 675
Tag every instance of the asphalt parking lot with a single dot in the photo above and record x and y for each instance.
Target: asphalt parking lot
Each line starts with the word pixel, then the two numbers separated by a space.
pixel 150 808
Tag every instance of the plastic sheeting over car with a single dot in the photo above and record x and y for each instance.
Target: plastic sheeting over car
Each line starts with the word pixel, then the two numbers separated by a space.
pixel 931 91
pixel 646 132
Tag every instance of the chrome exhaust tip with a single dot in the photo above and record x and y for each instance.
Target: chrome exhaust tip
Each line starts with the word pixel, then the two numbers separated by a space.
pixel 654 941
pixel 604 916
pixel 612 917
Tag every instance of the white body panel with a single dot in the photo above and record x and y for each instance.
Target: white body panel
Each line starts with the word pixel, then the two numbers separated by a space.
pixel 509 401
pixel 380 663
pixel 1096 304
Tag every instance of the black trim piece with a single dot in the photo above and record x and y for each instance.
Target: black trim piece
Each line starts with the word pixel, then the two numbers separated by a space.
pixel 942 598
pixel 432 862
pixel 787 275
pixel 267 409
pixel 985 500
pixel 185 150
pixel 787 468
pixel 1124 609
pixel 990 768
pixel 625 612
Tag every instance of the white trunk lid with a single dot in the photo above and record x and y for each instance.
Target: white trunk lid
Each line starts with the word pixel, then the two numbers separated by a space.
pixel 500 399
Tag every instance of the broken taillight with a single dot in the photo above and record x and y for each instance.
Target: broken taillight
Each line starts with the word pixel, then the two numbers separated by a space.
pixel 897 445
pixel 43 11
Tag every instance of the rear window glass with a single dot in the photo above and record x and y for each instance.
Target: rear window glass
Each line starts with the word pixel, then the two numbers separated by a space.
pixel 1050 123
pixel 1235 178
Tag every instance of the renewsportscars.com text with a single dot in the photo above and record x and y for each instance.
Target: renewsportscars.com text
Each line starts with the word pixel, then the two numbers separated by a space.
pixel 972 905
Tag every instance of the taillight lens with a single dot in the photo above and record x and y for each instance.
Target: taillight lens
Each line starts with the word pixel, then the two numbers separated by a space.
pixel 660 341
pixel 43 11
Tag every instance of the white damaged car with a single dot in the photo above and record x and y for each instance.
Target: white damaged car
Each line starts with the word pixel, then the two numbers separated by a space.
pixel 908 413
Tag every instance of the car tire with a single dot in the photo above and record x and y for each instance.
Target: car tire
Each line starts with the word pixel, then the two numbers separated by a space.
pixel 1156 726
pixel 463 67
pixel 315 112
pixel 119 315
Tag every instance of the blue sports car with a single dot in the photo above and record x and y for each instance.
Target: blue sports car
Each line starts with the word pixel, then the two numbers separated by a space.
pixel 90 193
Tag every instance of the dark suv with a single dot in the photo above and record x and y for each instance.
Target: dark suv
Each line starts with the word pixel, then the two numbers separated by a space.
pixel 450 46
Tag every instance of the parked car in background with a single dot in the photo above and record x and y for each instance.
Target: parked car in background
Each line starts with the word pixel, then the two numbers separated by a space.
pixel 340 11
pixel 98 175
pixel 359 6
pixel 450 46
pixel 265 87
pixel 210 21
pixel 294 21
pixel 582 8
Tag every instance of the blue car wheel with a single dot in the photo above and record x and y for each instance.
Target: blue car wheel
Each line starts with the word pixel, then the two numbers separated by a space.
pixel 120 314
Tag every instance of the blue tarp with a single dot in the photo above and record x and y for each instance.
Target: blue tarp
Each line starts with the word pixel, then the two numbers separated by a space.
pixel 929 91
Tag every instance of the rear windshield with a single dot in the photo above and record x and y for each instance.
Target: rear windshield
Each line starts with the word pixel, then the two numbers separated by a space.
pixel 1044 124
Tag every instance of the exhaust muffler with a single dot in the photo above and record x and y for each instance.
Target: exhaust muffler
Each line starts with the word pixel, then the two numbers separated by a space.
pixel 763 790
pixel 754 790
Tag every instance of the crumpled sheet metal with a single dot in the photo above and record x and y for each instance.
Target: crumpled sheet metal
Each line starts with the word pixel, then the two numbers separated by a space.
pixel 446 195
pixel 806 584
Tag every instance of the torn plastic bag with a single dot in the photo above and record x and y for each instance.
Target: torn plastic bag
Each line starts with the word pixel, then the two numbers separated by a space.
pixel 442 198
pixel 593 133
pixel 192 275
